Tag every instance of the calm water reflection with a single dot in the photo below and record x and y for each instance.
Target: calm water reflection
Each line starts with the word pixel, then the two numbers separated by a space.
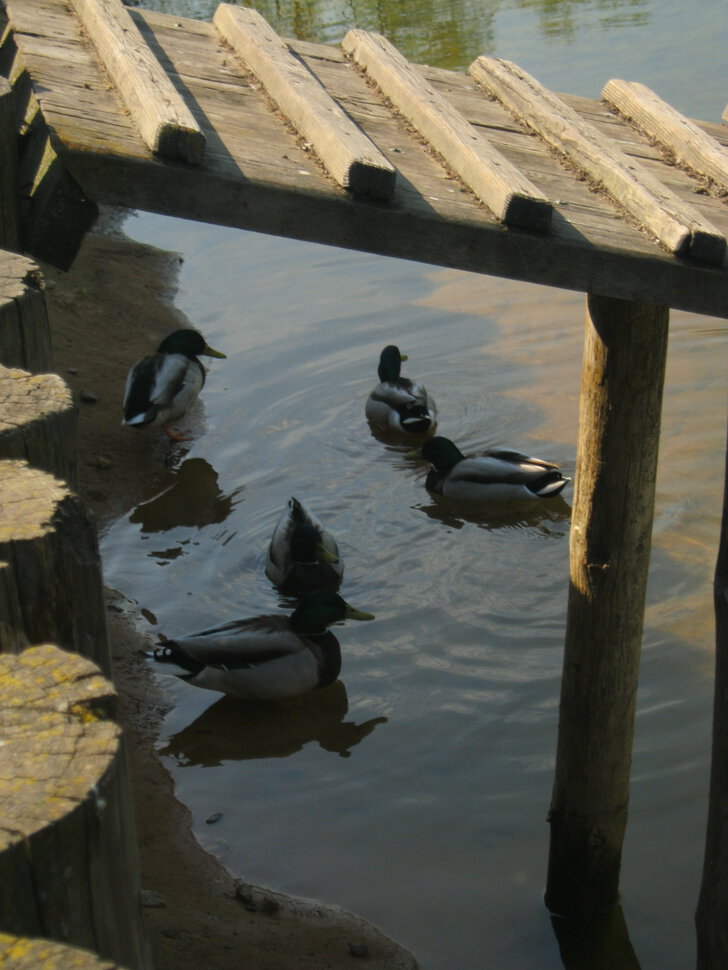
pixel 447 704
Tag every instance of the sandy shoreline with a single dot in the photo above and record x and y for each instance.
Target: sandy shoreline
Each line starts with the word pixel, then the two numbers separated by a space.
pixel 111 307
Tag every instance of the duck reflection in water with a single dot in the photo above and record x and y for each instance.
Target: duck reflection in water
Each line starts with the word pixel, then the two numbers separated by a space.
pixel 233 730
pixel 193 499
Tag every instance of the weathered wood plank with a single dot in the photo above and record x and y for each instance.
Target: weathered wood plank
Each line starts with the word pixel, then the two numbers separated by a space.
pixel 346 152
pixel 38 422
pixel 257 175
pixel 677 226
pixel 689 144
pixel 166 124
pixel 497 183
pixel 68 860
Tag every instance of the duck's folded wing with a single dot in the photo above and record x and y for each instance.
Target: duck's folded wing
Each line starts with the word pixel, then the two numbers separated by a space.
pixel 242 643
pixel 516 458
pixel 497 469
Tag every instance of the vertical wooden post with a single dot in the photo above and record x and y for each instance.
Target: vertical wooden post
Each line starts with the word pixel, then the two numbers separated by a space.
pixel 621 396
pixel 711 918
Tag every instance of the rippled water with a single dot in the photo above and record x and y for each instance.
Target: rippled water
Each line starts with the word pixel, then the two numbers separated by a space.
pixel 415 790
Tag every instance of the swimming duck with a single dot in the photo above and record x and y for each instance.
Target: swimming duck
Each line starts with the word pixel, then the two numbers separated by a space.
pixel 161 387
pixel 266 657
pixel 496 475
pixel 302 555
pixel 398 403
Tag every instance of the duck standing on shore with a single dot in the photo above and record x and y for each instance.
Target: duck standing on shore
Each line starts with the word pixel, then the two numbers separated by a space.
pixel 398 403
pixel 497 475
pixel 161 387
pixel 268 657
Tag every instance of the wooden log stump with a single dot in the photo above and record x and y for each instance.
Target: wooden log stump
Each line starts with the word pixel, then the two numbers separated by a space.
pixel 68 859
pixel 9 216
pixel 22 953
pixel 25 336
pixel 12 638
pixel 621 397
pixel 50 543
pixel 38 422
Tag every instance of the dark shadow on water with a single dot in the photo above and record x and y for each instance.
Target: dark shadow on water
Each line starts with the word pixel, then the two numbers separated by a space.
pixel 234 730
pixel 597 943
pixel 500 515
pixel 193 499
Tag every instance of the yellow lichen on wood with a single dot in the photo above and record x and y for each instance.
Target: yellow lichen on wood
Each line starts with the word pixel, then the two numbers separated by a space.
pixel 22 953
pixel 56 741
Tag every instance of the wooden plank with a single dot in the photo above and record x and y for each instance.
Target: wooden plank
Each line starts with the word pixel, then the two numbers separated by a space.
pixel 164 121
pixel 676 225
pixel 346 152
pixel 689 144
pixel 496 182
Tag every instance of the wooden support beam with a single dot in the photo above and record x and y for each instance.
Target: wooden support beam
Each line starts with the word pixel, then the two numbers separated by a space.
pixel 346 152
pixel 496 182
pixel 677 226
pixel 610 551
pixel 688 143
pixel 49 541
pixel 159 112
pixel 710 918
pixel 38 422
pixel 68 856
pixel 9 217
pixel 25 337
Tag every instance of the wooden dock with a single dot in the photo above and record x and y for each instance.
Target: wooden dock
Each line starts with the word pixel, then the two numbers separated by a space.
pixel 572 195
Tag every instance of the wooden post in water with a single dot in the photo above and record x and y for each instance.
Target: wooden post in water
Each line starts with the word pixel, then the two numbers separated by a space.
pixel 621 397
pixel 711 918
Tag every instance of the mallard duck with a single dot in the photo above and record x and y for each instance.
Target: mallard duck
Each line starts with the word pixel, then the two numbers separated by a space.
pixel 266 657
pixel 302 555
pixel 398 403
pixel 161 387
pixel 494 476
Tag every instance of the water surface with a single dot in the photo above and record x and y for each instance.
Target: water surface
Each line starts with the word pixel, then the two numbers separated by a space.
pixel 415 791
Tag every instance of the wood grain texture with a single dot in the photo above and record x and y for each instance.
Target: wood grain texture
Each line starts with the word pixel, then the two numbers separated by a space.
pixel 22 953
pixel 346 152
pixel 679 227
pixel 496 182
pixel 38 422
pixel 258 175
pixel 25 338
pixel 68 864
pixel 688 143
pixel 50 543
pixel 619 430
pixel 166 124
pixel 9 188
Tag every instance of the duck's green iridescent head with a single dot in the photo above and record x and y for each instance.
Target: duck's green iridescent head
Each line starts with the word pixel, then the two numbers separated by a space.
pixel 390 363
pixel 441 452
pixel 190 343
pixel 319 610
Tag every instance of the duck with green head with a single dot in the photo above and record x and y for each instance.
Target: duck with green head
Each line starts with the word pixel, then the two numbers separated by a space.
pixel 268 657
pixel 161 387
pixel 302 556
pixel 496 475
pixel 397 403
